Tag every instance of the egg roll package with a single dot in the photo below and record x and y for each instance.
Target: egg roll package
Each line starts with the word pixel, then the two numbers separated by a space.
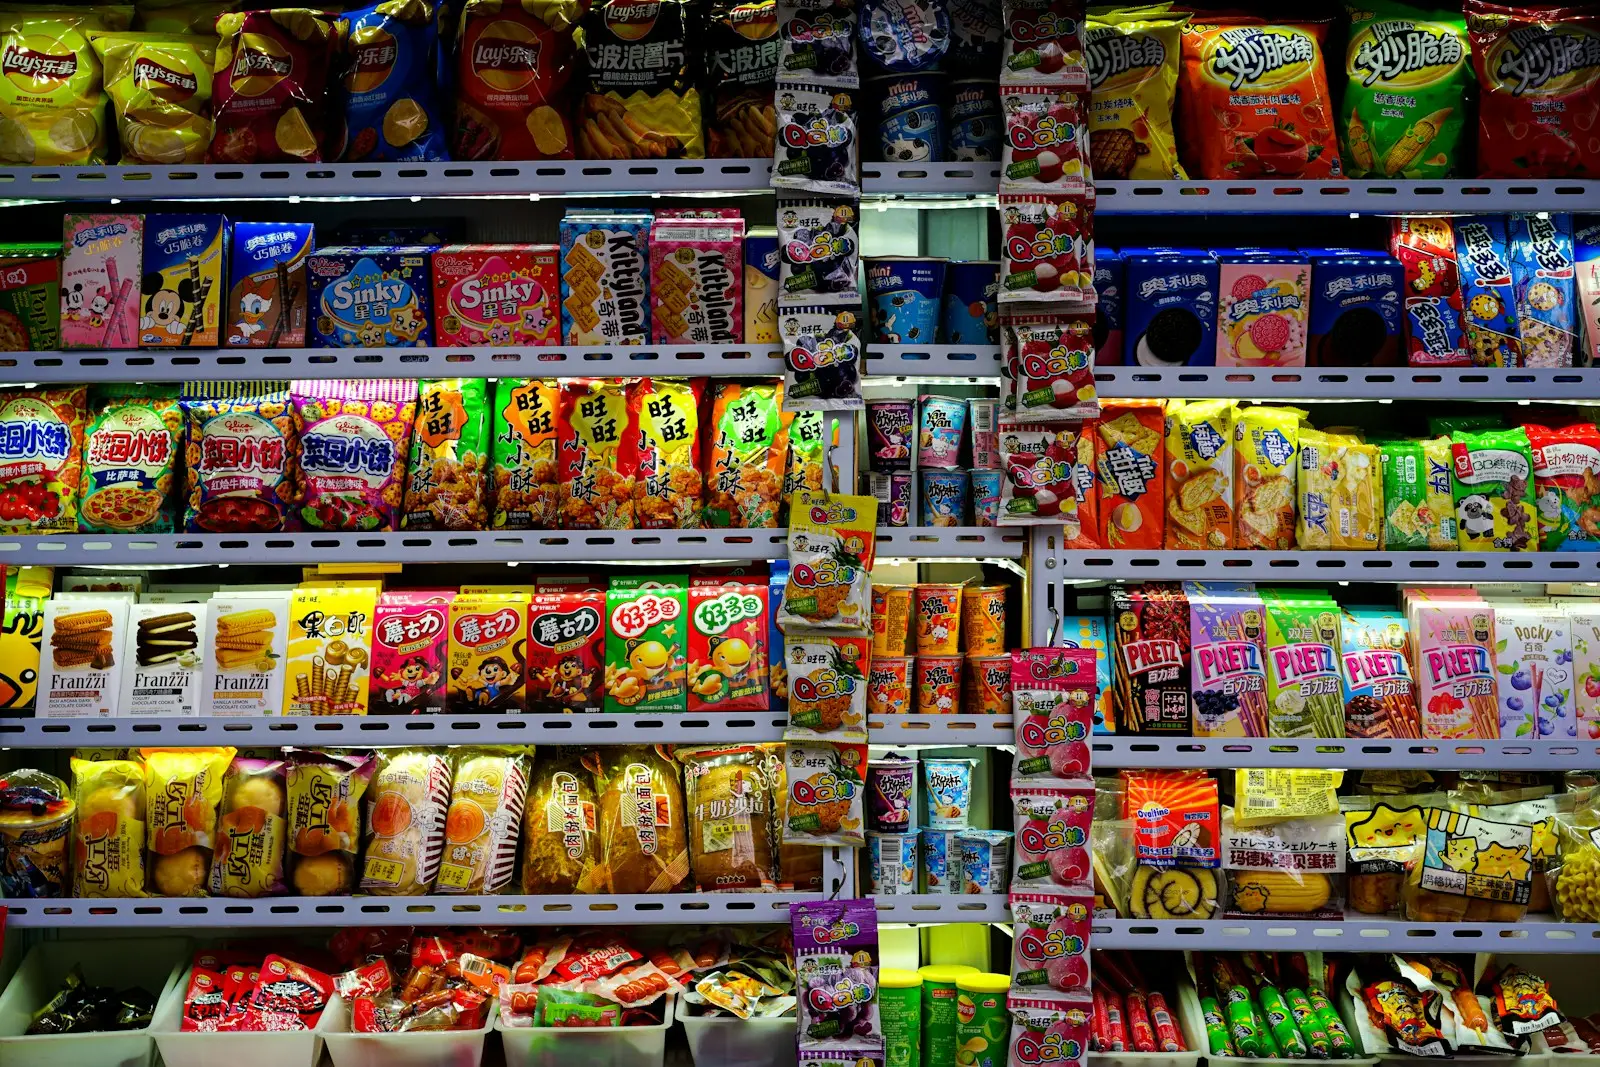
pixel 560 835
pixel 404 839
pixel 480 831
pixel 108 836
pixel 643 832
pixel 182 790
pixel 251 830
pixel 325 791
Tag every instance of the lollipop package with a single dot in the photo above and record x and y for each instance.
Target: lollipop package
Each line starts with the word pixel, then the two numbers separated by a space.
pixel 836 973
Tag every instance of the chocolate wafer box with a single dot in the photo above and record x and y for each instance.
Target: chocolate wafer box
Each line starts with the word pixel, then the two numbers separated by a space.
pixel 181 290
pixel 80 659
pixel 245 644
pixel 162 663
pixel 267 285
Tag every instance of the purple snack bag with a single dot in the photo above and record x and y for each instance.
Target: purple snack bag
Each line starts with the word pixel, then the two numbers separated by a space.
pixel 890 784
pixel 836 974
pixel 889 428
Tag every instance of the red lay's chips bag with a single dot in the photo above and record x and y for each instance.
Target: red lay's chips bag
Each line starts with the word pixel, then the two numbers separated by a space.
pixel 514 60
pixel 270 88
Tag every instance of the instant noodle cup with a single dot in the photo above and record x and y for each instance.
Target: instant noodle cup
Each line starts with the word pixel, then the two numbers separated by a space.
pixel 891 613
pixel 160 89
pixel 889 425
pixel 1133 59
pixel 325 791
pixel 987 690
pixel 937 680
pixel 938 618
pixel 983 619
pixel 943 500
pixel 891 784
pixel 52 101
pixel 947 793
pixel 892 863
pixel 270 90
pixel 480 829
pixel 35 835
pixel 108 837
pixel 251 829
pixel 515 59
pixel 404 839
pixel 941 864
pixel 182 790
pixel 889 685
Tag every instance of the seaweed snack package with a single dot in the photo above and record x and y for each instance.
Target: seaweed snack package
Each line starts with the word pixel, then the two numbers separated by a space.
pixel 404 839
pixel 1488 303
pixel 130 461
pixel 1052 836
pixel 1049 1029
pixel 1383 838
pixel 836 980
pixel 832 549
pixel 270 93
pixel 354 437
pixel 1405 500
pixel 449 452
pixel 1053 694
pixel 642 102
pixel 1566 481
pixel 41 464
pixel 240 457
pixel 746 473
pixel 325 791
pixel 1288 867
pixel 819 252
pixel 1539 99
pixel 1544 277
pixel 1200 487
pixel 666 495
pixel 1050 950
pixel 251 830
pixel 827 686
pixel 392 62
pixel 818 145
pixel 560 842
pixel 1043 43
pixel 817 42
pixel 1045 149
pixel 822 359
pixel 1255 99
pixel 597 447
pixel 1339 492
pixel 826 794
pixel 160 89
pixel 643 829
pixel 731 847
pixel 182 789
pixel 526 494
pixel 480 830
pixel 1133 59
pixel 108 835
pixel 515 58
pixel 1405 97
pixel 1047 248
pixel 1426 249
pixel 1265 448
pixel 1380 696
pixel 1130 459
pixel 727 645
pixel 1055 370
pixel 52 101
pixel 1492 483
pixel 1472 869
pixel 742 60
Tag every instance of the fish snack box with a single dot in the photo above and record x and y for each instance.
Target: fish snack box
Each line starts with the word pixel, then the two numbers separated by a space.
pixel 371 297
pixel 605 278
pixel 266 305
pixel 496 295
pixel 180 291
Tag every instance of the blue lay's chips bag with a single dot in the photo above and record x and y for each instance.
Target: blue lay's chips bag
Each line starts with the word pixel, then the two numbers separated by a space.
pixel 391 108
pixel 1545 280
pixel 1488 305
pixel 371 297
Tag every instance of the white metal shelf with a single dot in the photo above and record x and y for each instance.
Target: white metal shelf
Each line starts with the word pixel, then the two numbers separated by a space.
pixel 940 730
pixel 1297 566
pixel 1356 933
pixel 1291 197
pixel 1345 753
pixel 932 908
pixel 1349 383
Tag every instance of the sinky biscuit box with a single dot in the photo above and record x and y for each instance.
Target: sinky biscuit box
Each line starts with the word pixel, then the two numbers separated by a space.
pixel 181 290
pixel 371 297
pixel 496 295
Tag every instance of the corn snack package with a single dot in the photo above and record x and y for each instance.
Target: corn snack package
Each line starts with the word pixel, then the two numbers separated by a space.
pixel 514 61
pixel 270 95
pixel 1404 109
pixel 742 57
pixel 41 468
pixel 354 437
pixel 666 495
pixel 560 835
pixel 108 835
pixel 325 791
pixel 523 450
pixel 731 844
pixel 182 790
pixel 252 826
pixel 404 839
pixel 160 89
pixel 826 793
pixel 1133 59
pixel 480 831
pixel 449 455
pixel 832 548
pixel 746 474
pixel 52 100
pixel 1492 482
pixel 392 63
pixel 130 461
pixel 240 456
pixel 642 101
pixel 643 827
pixel 597 447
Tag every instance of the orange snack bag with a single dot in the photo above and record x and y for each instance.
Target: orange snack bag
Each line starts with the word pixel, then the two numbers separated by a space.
pixel 1254 100
pixel 1130 460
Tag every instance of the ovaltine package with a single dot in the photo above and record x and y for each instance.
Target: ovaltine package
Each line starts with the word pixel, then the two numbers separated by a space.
pixel 696 266
pixel 162 660
pixel 514 63
pixel 81 661
pixel 605 278
pixel 266 306
pixel 181 288
pixel 101 259
pixel 497 295
pixel 246 641
pixel 52 107
pixel 391 108
pixel 371 297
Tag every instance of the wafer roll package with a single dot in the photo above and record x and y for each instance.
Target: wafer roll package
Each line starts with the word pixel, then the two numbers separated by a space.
pixel 80 657
pixel 162 661
pixel 245 645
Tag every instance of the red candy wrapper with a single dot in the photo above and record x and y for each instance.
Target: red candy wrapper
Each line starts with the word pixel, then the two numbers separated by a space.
pixel 1052 701
pixel 1043 42
pixel 365 981
pixel 1054 370
pixel 1426 248
pixel 270 92
pixel 1100 1039
pixel 289 995
pixel 1047 242
pixel 1046 140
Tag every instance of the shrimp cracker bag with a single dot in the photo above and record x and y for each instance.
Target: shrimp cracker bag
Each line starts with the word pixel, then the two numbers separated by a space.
pixel 832 547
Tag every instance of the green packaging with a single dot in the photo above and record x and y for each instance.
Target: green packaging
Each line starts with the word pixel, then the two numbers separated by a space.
pixel 900 1011
pixel 1408 71
pixel 647 623
pixel 1405 496
pixel 449 454
pixel 939 1011
pixel 1491 479
pixel 524 451
pixel 983 1025
pixel 1305 684
pixel 1281 1024
pixel 30 297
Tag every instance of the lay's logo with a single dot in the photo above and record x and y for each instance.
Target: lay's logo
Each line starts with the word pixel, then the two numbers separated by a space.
pixel 163 82
pixel 21 61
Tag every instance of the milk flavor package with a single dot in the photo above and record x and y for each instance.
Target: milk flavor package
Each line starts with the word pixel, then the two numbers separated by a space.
pixel 371 297
pixel 605 278
pixel 185 257
pixel 496 295
pixel 266 306
pixel 102 258
pixel 696 274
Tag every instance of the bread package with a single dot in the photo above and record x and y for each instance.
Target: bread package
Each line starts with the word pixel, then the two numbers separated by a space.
pixel 642 830
pixel 560 842
pixel 480 853
pixel 410 794
pixel 730 812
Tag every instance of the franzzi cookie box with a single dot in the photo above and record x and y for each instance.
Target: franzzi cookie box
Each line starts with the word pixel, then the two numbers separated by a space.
pixel 80 662
pixel 246 641
pixel 162 661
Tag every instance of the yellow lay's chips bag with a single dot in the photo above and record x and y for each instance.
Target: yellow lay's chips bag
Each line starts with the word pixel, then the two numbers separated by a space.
pixel 1133 58
pixel 160 89
pixel 52 103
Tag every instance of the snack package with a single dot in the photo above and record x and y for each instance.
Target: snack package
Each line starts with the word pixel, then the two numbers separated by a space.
pixel 410 633
pixel 727 646
pixel 1050 951
pixel 1130 458
pixel 1151 627
pixel 1290 867
pixel 1052 836
pixel 822 359
pixel 642 100
pixel 1440 519
pixel 30 297
pixel 818 146
pixel 130 461
pixel 108 836
pixel 1426 250
pixel 646 631
pixel 1303 664
pixel 742 59
pixel 1405 502
pixel 266 305
pixel 487 653
pixel 330 648
pixel 1041 1025
pixel 1382 838
pixel 41 466
pixel 1489 315
pixel 817 42
pixel 182 790
pixel 392 62
pixel 515 58
pixel 325 791
pixel 53 105
pixel 1053 693
pixel 1340 492
pixel 165 117
pixel 1055 370
pixel 598 451
pixel 1262 310
pixel 251 829
pixel 827 686
pixel 354 437
pixel 404 840
pixel 246 647
pixel 605 278
pixel 826 794
pixel 278 116
pixel 1566 473
pixel 667 492
pixel 1544 277
pixel 566 650
pixel 643 828
pixel 1227 659
pixel 241 457
pixel 1534 687
pixel 371 297
pixel 1045 147
pixel 181 287
pixel 836 979
pixel 1472 869
pixel 696 274
pixel 480 830
pixel 102 260
pixel 1200 489
pixel 560 843
pixel 819 250
pixel 1265 448
pixel 1176 822
pixel 1407 77
pixel 1042 471
pixel 82 677
pixel 731 848
pixel 1492 483
pixel 449 452
pixel 1133 59
pixel 746 436
pixel 26 590
pixel 1043 42
pixel 1356 313
pixel 496 295
pixel 1453 660
pixel 523 450
pixel 162 661
pixel 832 548
pixel 1255 100
pixel 1047 255
pixel 1380 697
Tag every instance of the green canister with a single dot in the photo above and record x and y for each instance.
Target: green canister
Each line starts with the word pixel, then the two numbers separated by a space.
pixel 939 1012
pixel 983 1025
pixel 900 1009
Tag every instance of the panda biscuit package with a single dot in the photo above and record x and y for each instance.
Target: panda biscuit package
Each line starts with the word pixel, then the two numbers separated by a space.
pixel 180 292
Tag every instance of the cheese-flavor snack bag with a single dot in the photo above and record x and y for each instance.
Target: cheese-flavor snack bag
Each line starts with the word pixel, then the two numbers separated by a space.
pixel 325 791
pixel 252 827
pixel 1200 486
pixel 108 835
pixel 160 89
pixel 182 790
pixel 52 99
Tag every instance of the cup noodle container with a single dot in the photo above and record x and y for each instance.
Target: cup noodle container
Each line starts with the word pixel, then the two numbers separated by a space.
pixel 891 616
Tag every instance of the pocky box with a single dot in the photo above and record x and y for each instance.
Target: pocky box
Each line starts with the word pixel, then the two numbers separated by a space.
pixel 1380 695
pixel 1533 683
pixel 1304 683
pixel 410 640
pixel 727 647
pixel 180 302
pixel 330 648
pixel 245 646
pixel 1227 658
pixel 81 661
pixel 496 295
pixel 1488 303
pixel 696 270
pixel 371 297
pixel 266 305
pixel 102 259
pixel 30 297
pixel 487 657
pixel 1150 626
pixel 566 650
pixel 646 631
pixel 605 278
pixel 162 660
pixel 1453 659
pixel 1263 302
pixel 1545 281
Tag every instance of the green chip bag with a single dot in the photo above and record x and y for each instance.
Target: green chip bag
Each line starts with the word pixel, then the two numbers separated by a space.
pixel 1405 100
pixel 1492 483
pixel 805 455
pixel 449 455
pixel 1405 496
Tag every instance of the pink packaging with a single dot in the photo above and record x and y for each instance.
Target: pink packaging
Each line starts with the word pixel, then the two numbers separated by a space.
pixel 1453 659
pixel 1049 1030
pixel 1050 944
pixel 497 295
pixel 696 281
pixel 410 629
pixel 1052 828
pixel 1052 701
pixel 101 260
pixel 1262 307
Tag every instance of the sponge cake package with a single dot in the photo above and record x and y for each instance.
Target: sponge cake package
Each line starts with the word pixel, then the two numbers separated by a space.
pixel 161 660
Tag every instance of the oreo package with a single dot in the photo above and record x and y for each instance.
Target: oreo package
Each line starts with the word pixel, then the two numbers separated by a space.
pixel 819 247
pixel 1355 310
pixel 817 43
pixel 392 65
pixel 818 148
pixel 1171 300
pixel 975 33
pixel 822 358
pixel 901 36
pixel 1110 273
pixel 1488 297
pixel 1545 278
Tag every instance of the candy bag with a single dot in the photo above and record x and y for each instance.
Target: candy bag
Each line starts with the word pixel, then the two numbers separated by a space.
pixel 1045 146
pixel 817 42
pixel 1041 468
pixel 819 250
pixel 1043 43
pixel 832 548
pixel 836 974
pixel 108 835
pixel 354 437
pixel 1403 100
pixel 1052 836
pixel 827 686
pixel 822 359
pixel 1047 252
pixel 1050 944
pixel 826 793
pixel 1053 692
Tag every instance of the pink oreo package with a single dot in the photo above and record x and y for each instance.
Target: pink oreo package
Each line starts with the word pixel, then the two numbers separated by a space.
pixel 497 295
pixel 102 258
pixel 1052 827
pixel 1050 942
pixel 697 281
pixel 1052 699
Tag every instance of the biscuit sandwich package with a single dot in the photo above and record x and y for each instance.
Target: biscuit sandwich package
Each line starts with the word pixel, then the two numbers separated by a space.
pixel 245 647
pixel 80 670
pixel 162 662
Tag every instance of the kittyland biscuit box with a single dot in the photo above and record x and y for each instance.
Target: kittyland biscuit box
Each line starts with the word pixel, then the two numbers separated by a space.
pixel 81 656
pixel 605 278
pixel 30 297
pixel 1583 630
pixel 330 648
pixel 185 257
pixel 246 645
pixel 371 297
pixel 1533 680
pixel 1151 634
pixel 647 628
pixel 102 260
pixel 1263 303
pixel 410 640
pixel 696 267
pixel 267 285
pixel 1228 651
pixel 567 650
pixel 488 653
pixel 496 295
pixel 163 660
pixel 727 645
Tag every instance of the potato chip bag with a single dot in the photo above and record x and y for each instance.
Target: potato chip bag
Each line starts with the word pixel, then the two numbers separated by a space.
pixel 404 839
pixel 239 457
pixel 182 788
pixel 746 475
pixel 1265 449
pixel 526 494
pixel 160 89
pixel 742 58
pixel 130 460
pixel 108 834
pixel 642 101
pixel 1200 486
pixel 1133 59
pixel 480 831
pixel 392 63
pixel 251 829
pixel 41 458
pixel 354 438
pixel 1404 100
pixel 515 59
pixel 270 91
pixel 1255 100
pixel 449 452
pixel 666 495
pixel 52 100
pixel 598 454
pixel 199 18
pixel 325 791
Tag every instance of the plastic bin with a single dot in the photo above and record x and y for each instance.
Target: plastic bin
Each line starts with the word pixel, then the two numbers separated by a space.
pixel 725 1042
pixel 1192 1023
pixel 300 1048
pixel 151 962
pixel 428 1048
pixel 581 1046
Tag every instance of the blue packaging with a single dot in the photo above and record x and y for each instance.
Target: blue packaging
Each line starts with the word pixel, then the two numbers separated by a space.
pixel 941 862
pixel 761 287
pixel 393 59
pixel 975 33
pixel 975 123
pixel 777 579
pixel 1488 296
pixel 1109 274
pixel 910 121
pixel 903 35
pixel 1545 278
pixel 371 297
pixel 257 314
pixel 904 295
pixel 605 278
pixel 971 313
pixel 944 498
pixel 985 492
pixel 1091 631
pixel 985 860
pixel 1355 311
pixel 892 863
pixel 1171 302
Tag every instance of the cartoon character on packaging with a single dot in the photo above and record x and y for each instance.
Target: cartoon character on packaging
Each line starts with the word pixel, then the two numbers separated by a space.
pixel 253 308
pixel 570 680
pixel 410 683
pixel 165 310
pixel 495 676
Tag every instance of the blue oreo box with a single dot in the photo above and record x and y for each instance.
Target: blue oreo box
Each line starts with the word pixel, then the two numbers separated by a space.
pixel 1110 271
pixel 370 297
pixel 1171 300
pixel 1355 310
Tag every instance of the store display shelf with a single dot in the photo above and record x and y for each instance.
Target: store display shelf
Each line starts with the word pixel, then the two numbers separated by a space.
pixel 1356 933
pixel 886 362
pixel 1345 753
pixel 932 908
pixel 951 542
pixel 1346 383
pixel 1250 565
pixel 1291 197
pixel 939 730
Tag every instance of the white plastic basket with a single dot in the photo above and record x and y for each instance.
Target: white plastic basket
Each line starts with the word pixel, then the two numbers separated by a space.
pixel 1147 1059
pixel 727 1042
pixel 584 1046
pixel 152 963
pixel 1192 1023
pixel 298 1048
pixel 425 1048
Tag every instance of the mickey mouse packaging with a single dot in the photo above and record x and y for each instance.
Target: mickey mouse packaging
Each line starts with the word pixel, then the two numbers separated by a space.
pixel 180 291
